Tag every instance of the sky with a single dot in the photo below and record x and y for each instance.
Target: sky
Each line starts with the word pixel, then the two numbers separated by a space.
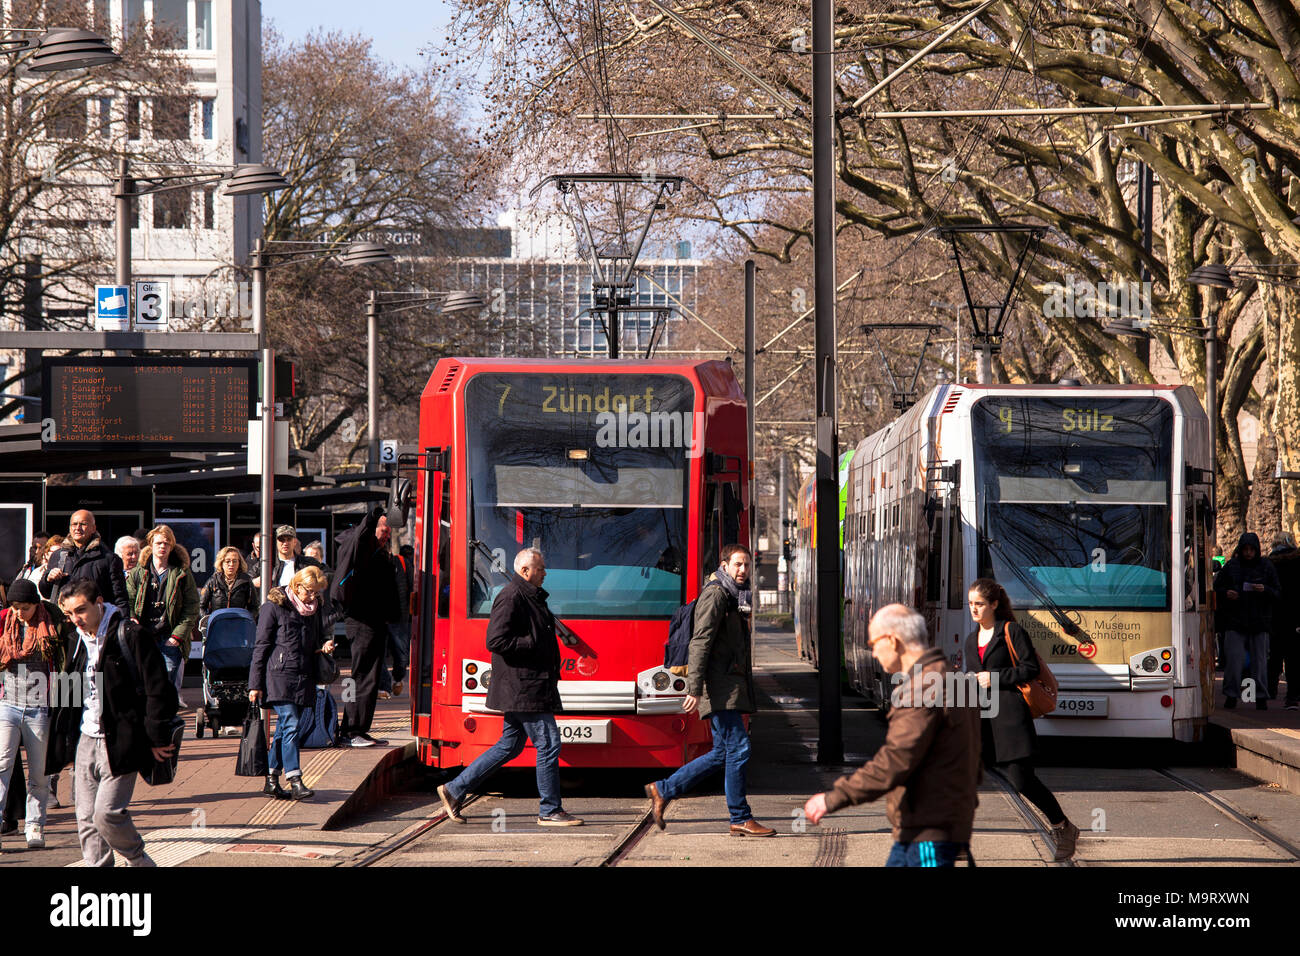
pixel 399 28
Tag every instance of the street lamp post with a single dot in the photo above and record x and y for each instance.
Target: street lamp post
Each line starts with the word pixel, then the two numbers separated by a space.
pixel 59 48
pixel 448 304
pixel 1214 276
pixel 357 253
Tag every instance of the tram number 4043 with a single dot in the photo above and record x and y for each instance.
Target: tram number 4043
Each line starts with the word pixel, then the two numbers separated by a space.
pixel 583 731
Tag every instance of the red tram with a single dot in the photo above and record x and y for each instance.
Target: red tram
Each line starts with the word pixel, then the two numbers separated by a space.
pixel 629 477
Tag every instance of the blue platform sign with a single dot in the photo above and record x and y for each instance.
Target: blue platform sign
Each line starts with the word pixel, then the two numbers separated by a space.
pixel 112 308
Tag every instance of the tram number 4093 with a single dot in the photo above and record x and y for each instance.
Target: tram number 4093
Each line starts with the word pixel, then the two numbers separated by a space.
pixel 1080 707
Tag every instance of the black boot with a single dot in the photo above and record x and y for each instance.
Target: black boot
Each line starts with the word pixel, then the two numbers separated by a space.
pixel 273 788
pixel 298 790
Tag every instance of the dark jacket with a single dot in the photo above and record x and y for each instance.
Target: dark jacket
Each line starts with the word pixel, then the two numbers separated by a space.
pixel 217 594
pixel 95 563
pixel 525 652
pixel 284 658
pixel 1010 735
pixel 132 723
pixel 1252 611
pixel 929 767
pixel 720 669
pixel 180 596
pixel 364 582
pixel 1286 612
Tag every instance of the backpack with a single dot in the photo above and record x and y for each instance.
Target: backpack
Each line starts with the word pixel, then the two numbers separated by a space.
pixel 677 652
pixel 319 723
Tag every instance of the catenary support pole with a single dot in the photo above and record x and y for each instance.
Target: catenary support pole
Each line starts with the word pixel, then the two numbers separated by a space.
pixel 267 523
pixel 372 381
pixel 751 323
pixel 830 743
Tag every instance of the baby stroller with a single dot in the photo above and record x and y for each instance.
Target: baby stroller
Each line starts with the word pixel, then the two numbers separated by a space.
pixel 227 656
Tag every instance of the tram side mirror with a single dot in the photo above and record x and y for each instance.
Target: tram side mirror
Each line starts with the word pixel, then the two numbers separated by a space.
pixel 401 498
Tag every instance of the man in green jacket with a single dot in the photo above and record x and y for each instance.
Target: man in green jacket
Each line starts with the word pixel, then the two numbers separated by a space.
pixel 720 682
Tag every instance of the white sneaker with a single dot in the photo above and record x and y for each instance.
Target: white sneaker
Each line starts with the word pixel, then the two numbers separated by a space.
pixel 384 695
pixel 36 838
pixel 359 741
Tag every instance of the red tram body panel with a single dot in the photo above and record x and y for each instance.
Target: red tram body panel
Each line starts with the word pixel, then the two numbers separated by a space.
pixel 629 476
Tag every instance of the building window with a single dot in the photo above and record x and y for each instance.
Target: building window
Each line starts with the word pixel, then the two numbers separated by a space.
pixel 105 119
pixel 210 208
pixel 133 104
pixel 135 23
pixel 209 118
pixel 171 24
pixel 68 119
pixel 103 21
pixel 171 117
pixel 203 24
pixel 171 209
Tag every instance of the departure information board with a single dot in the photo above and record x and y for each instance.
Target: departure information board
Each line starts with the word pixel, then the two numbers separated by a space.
pixel 177 403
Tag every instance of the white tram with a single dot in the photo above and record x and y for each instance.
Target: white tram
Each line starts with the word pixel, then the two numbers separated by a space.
pixel 1089 504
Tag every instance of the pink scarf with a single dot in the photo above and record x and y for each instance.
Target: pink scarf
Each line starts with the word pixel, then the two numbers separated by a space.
pixel 305 608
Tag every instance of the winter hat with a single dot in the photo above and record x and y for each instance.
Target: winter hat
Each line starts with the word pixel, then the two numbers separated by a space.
pixel 23 591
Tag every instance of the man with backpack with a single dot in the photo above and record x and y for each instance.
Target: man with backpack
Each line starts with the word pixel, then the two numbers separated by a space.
pixel 119 723
pixel 720 683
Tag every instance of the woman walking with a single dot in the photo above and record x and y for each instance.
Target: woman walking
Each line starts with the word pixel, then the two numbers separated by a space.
pixel 163 597
pixel 284 672
pixel 1008 736
pixel 32 644
pixel 230 586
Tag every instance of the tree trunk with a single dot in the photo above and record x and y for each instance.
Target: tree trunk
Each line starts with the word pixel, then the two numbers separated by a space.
pixel 1264 513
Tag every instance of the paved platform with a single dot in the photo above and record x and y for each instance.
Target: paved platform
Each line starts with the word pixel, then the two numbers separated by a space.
pixel 208 810
pixel 1267 742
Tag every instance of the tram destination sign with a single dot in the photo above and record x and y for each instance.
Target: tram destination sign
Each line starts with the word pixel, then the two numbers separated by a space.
pixel 183 404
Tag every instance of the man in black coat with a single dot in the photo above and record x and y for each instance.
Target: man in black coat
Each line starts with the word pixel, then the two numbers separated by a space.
pixel 1284 643
pixel 1245 591
pixel 365 586
pixel 83 557
pixel 524 686
pixel 114 728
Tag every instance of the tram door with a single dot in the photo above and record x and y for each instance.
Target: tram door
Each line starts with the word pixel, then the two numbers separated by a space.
pixel 723 513
pixel 944 586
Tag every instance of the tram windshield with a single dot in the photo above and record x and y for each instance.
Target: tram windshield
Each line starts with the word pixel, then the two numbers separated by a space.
pixel 1074 499
pixel 589 469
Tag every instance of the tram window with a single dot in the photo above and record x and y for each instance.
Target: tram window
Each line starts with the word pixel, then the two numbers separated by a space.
pixel 444 551
pixel 956 599
pixel 1201 548
pixel 933 563
pixel 709 561
pixel 731 512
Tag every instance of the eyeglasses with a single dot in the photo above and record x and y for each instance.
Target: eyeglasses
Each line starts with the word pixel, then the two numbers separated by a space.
pixel 872 642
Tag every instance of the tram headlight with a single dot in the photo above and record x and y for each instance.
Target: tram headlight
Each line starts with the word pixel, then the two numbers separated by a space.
pixel 660 681
pixel 1149 663
pixel 485 677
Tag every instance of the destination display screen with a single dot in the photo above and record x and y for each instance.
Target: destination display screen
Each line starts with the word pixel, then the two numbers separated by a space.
pixel 131 403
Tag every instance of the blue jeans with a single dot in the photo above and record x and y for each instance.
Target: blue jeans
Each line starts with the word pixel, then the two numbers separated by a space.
pixel 29 726
pixel 399 649
pixel 730 751
pixel 1236 646
pixel 541 730
pixel 925 854
pixel 284 745
pixel 175 665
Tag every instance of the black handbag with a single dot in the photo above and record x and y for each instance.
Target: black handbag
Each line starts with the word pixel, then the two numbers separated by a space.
pixel 327 669
pixel 163 771
pixel 252 761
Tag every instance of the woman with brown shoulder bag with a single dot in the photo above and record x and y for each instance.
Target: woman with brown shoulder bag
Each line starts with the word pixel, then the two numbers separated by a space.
pixel 1001 654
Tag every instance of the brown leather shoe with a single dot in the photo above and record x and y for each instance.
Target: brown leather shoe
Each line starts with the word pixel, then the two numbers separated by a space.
pixel 751 828
pixel 658 805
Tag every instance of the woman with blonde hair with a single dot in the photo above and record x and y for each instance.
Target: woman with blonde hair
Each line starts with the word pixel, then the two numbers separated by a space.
pixel 285 672
pixel 163 597
pixel 230 585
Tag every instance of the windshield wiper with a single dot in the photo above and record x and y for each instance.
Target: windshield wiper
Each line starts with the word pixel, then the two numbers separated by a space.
pixel 566 633
pixel 1054 609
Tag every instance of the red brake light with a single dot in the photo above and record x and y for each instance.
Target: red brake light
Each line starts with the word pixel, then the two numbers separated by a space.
pixel 1166 701
pixel 471 684
pixel 1166 668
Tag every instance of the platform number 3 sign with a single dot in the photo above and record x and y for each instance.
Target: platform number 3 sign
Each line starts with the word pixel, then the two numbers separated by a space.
pixel 388 453
pixel 151 301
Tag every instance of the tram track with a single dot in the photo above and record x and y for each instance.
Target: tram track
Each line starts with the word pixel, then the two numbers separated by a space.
pixel 1023 808
pixel 1227 809
pixel 406 837
pixel 628 842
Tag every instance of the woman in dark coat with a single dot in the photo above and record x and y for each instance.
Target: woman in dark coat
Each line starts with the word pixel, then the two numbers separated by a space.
pixel 1008 736
pixel 229 586
pixel 284 672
